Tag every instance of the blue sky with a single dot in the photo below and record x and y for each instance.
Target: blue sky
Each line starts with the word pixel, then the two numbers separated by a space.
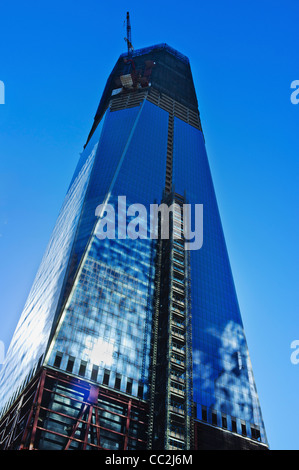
pixel 55 59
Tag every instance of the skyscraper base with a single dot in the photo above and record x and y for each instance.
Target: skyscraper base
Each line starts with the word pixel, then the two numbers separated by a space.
pixel 60 412
pixel 208 437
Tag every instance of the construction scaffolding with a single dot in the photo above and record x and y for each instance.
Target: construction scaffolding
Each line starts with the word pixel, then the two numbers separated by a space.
pixel 171 392
pixel 61 412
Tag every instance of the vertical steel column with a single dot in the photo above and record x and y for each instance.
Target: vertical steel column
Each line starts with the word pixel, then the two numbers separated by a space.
pixel 127 425
pixel 87 427
pixel 91 401
pixel 35 407
pixel 75 426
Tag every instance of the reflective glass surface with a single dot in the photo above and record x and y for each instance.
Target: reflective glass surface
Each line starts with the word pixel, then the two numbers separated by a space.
pixel 107 320
pixel 222 375
pixel 32 333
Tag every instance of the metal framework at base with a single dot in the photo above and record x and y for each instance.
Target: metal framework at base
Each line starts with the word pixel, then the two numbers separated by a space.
pixel 61 412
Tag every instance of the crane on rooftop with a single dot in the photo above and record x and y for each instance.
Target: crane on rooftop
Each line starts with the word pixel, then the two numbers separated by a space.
pixel 128 39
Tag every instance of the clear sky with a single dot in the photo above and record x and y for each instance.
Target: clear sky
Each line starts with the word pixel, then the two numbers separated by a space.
pixel 54 61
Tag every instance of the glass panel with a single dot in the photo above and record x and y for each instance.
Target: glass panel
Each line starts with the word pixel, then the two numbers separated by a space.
pixel 222 373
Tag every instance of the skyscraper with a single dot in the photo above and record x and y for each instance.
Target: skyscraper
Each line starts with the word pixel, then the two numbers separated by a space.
pixel 129 340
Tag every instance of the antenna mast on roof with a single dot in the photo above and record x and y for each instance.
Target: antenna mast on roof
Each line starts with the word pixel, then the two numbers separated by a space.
pixel 128 39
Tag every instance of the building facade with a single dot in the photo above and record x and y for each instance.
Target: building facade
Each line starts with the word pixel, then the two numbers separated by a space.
pixel 129 340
